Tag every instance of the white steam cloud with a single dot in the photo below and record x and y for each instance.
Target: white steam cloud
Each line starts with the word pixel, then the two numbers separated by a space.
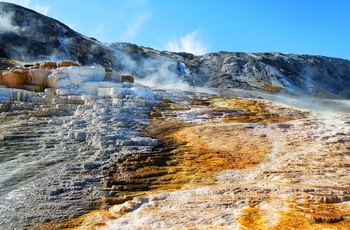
pixel 6 25
pixel 161 74
pixel 190 43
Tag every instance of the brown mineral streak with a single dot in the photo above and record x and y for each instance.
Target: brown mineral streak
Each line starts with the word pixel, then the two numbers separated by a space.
pixel 308 217
pixel 192 155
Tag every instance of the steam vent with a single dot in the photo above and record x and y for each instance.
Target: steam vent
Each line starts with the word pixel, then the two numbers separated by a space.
pixel 119 136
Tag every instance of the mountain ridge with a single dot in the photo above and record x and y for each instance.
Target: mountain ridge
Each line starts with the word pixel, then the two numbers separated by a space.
pixel 33 36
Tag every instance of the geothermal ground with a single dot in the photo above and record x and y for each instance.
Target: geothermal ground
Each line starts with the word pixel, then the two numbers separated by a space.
pixel 229 163
pixel 251 165
pixel 239 164
pixel 95 152
pixel 82 146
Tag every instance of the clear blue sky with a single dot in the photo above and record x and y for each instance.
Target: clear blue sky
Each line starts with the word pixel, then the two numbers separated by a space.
pixel 320 27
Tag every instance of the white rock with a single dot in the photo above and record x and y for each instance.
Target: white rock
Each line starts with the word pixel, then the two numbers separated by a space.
pixel 118 91
pixel 75 75
pixel 72 90
pixel 91 88
pixel 56 121
pixel 80 74
pixel 114 92
pixel 16 94
pixel 104 92
pixel 50 91
pixel 143 91
pixel 58 79
pixel 89 97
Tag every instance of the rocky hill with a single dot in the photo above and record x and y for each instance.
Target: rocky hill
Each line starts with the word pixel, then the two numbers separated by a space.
pixel 85 145
pixel 29 36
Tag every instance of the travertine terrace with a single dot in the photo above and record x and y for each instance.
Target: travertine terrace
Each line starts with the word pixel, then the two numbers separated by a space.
pixel 122 136
pixel 228 163
pixel 301 183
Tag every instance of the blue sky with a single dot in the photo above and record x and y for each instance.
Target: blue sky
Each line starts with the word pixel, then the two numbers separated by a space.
pixel 318 27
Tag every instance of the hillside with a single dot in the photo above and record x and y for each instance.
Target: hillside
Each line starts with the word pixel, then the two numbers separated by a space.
pixel 32 37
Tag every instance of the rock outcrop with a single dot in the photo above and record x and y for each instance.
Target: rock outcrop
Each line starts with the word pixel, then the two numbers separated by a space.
pixel 30 36
pixel 267 72
pixel 61 78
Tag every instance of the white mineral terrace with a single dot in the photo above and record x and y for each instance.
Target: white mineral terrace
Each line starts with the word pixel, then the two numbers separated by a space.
pixel 56 147
pixel 308 165
pixel 55 144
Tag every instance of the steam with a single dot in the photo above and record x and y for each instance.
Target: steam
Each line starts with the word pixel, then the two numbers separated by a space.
pixel 190 43
pixel 6 23
pixel 153 72
pixel 160 73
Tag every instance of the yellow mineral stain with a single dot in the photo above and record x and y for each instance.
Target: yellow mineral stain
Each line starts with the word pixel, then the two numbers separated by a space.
pixel 255 111
pixel 298 217
pixel 269 88
pixel 214 148
pixel 90 221
pixel 192 155
pixel 251 218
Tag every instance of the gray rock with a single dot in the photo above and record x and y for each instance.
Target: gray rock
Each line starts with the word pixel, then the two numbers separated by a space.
pixel 80 136
pixel 35 36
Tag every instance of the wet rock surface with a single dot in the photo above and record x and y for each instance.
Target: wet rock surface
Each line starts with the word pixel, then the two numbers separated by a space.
pixel 180 159
pixel 54 167
pixel 201 176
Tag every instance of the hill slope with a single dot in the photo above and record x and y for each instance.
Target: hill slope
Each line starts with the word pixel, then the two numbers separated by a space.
pixel 29 36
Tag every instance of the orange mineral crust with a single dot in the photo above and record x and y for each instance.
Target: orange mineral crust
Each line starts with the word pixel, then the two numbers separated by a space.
pixel 236 164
